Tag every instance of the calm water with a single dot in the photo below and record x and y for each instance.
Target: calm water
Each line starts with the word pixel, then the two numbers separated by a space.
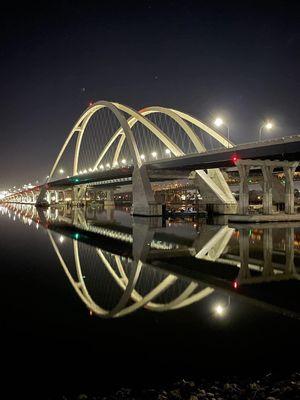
pixel 93 299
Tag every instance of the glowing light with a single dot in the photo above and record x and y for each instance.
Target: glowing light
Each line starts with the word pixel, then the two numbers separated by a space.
pixel 107 165
pixel 90 169
pixel 269 125
pixel 143 157
pixel 84 171
pixel 234 158
pixel 123 161
pixel 154 154
pixel 101 166
pixel 168 151
pixel 219 121
pixel 219 309
pixel 235 284
pixel 61 171
pixel 61 239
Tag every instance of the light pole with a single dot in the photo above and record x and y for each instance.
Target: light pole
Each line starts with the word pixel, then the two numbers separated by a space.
pixel 268 126
pixel 219 122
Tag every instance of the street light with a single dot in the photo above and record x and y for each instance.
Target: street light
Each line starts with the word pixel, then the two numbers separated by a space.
pixel 168 152
pixel 143 157
pixel 61 171
pixel 268 125
pixel 219 122
pixel 154 154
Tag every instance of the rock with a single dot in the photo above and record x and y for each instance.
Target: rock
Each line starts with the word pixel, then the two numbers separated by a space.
pixel 193 397
pixel 201 393
pixel 175 394
pixel 162 396
pixel 271 398
pixel 82 397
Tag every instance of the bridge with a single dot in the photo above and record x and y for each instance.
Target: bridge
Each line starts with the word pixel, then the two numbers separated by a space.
pixel 112 145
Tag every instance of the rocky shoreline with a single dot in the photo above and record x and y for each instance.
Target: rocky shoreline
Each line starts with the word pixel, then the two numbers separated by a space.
pixel 268 387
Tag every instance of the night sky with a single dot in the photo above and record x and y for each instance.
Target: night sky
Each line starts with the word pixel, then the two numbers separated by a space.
pixel 238 59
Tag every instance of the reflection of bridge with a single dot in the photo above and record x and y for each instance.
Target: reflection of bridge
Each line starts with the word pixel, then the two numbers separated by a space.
pixel 190 268
pixel 112 149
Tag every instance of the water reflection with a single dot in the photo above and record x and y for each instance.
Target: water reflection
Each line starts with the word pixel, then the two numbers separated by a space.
pixel 118 265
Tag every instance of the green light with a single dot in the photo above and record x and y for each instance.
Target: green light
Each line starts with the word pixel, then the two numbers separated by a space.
pixel 76 236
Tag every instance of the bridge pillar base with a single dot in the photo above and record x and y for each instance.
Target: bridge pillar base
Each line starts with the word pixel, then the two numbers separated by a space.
pixel 152 209
pixel 224 209
pixel 109 201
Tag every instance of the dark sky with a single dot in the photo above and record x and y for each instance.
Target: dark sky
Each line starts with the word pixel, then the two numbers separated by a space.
pixel 240 59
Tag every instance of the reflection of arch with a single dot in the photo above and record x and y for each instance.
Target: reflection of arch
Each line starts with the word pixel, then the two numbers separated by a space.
pixel 127 284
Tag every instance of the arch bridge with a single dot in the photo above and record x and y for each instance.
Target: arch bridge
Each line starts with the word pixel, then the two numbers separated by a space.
pixel 112 145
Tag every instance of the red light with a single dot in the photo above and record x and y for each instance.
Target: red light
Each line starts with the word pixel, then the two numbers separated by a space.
pixel 235 284
pixel 234 158
pixel 91 103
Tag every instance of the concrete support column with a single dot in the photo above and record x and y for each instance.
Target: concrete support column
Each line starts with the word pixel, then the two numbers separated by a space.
pixel 244 188
pixel 289 250
pixel 109 200
pixel 144 203
pixel 289 193
pixel 267 251
pixel 267 171
pixel 244 255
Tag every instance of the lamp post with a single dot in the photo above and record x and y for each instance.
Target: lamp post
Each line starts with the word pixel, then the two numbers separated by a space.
pixel 268 126
pixel 219 122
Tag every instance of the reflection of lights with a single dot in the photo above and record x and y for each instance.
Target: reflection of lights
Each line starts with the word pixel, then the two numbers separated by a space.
pixel 219 309
pixel 235 284
pixel 61 171
pixel 123 161
pixel 61 239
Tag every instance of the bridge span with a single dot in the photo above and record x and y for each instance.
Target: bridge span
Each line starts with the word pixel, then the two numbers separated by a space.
pixel 182 151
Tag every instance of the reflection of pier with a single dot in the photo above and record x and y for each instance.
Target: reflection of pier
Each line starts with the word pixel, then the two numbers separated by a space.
pixel 189 267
